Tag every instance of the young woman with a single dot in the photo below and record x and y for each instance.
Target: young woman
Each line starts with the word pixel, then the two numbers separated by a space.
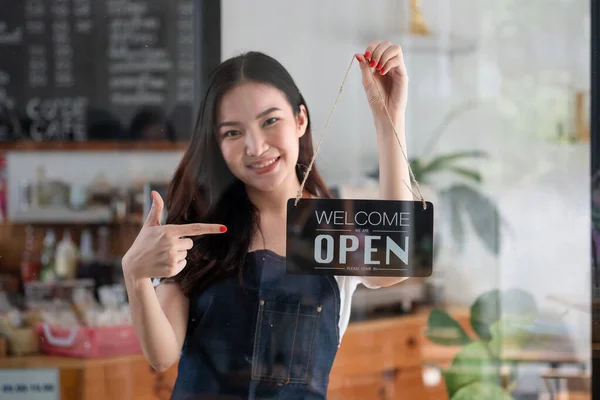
pixel 240 326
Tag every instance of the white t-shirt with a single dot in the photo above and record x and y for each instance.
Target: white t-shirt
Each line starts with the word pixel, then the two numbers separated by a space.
pixel 347 285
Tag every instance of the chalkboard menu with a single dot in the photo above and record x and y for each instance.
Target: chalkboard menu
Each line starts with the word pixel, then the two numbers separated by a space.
pixel 97 69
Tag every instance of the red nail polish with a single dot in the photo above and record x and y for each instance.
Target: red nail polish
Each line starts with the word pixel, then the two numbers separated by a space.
pixel 367 54
pixel 357 59
pixel 379 65
pixel 381 72
pixel 372 63
pixel 223 228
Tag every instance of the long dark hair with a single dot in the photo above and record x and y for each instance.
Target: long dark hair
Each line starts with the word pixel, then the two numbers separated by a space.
pixel 204 190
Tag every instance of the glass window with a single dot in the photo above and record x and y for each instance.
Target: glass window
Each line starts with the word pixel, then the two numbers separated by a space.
pixel 252 200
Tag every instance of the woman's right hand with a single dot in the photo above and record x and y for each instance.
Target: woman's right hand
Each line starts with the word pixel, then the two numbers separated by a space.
pixel 160 251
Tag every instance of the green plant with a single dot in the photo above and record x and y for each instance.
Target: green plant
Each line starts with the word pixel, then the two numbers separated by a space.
pixel 499 320
pixel 462 198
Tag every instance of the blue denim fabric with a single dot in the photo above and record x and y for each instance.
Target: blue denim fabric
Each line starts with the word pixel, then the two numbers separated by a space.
pixel 275 337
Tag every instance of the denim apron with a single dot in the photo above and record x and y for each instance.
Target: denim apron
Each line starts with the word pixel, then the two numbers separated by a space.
pixel 275 337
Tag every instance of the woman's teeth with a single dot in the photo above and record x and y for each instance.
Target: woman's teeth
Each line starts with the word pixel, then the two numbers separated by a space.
pixel 263 165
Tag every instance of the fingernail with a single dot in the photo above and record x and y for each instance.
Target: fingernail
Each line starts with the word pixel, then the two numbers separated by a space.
pixel 372 63
pixel 357 58
pixel 379 65
pixel 223 228
pixel 381 72
pixel 367 54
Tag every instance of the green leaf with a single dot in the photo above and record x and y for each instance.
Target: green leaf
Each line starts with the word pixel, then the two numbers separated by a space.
pixel 482 212
pixel 482 391
pixel 516 324
pixel 467 173
pixel 473 363
pixel 515 305
pixel 456 221
pixel 437 239
pixel 416 165
pixel 444 161
pixel 374 174
pixel 519 302
pixel 501 319
pixel 485 310
pixel 444 330
pixel 512 332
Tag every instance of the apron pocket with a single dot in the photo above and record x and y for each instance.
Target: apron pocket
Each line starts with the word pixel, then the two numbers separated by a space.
pixel 284 341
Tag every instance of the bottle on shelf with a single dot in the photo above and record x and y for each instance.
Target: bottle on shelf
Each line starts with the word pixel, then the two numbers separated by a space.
pixel 103 257
pixel 30 262
pixel 86 247
pixel 85 268
pixel 48 258
pixel 66 257
pixel 96 263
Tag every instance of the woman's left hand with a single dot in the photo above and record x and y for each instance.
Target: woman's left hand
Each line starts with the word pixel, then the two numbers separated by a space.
pixel 383 62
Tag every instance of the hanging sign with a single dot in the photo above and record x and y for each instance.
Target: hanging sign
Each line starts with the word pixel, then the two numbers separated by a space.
pixel 359 237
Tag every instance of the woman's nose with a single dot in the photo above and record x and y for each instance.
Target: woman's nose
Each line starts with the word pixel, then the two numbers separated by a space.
pixel 255 144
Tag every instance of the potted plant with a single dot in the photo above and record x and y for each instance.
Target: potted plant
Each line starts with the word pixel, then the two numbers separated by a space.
pixel 499 321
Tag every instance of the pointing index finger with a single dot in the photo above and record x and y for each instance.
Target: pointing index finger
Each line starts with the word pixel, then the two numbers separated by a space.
pixel 196 229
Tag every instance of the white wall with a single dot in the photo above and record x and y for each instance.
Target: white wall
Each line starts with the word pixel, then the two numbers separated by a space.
pixel 530 56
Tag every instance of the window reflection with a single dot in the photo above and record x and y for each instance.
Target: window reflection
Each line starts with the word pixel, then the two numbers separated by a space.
pixel 97 104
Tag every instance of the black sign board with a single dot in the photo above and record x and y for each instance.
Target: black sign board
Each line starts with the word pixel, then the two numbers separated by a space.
pixel 88 69
pixel 359 237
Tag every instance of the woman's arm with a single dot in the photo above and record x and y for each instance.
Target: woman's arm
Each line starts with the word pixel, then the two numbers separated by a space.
pixel 394 179
pixel 393 173
pixel 160 318
pixel 386 84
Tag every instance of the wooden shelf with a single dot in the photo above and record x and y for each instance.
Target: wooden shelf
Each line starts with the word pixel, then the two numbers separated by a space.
pixel 62 216
pixel 97 215
pixel 96 145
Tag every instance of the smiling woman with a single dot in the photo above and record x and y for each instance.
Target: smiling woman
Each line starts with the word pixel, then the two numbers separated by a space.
pixel 239 324
pixel 261 148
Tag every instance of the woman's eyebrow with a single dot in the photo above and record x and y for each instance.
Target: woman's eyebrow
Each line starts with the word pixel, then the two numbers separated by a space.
pixel 259 115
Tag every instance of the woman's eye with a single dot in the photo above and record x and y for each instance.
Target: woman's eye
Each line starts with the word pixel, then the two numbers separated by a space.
pixel 231 133
pixel 271 121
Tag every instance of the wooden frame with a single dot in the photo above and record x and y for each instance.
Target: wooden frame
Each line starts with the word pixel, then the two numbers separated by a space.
pixel 595 168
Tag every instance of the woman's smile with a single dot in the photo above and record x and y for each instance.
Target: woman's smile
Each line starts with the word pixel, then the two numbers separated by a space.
pixel 265 165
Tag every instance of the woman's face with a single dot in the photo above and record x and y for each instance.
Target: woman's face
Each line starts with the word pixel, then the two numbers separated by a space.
pixel 258 134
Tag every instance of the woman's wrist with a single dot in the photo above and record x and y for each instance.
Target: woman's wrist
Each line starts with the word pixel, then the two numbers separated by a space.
pixel 139 285
pixel 132 279
pixel 383 123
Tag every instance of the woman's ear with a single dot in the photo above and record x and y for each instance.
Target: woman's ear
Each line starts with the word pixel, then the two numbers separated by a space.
pixel 302 121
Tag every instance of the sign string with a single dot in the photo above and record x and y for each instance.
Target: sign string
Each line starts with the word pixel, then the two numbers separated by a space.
pixel 312 161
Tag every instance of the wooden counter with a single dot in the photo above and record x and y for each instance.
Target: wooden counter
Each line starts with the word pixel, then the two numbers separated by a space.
pixel 381 359
pixel 377 360
pixel 128 377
